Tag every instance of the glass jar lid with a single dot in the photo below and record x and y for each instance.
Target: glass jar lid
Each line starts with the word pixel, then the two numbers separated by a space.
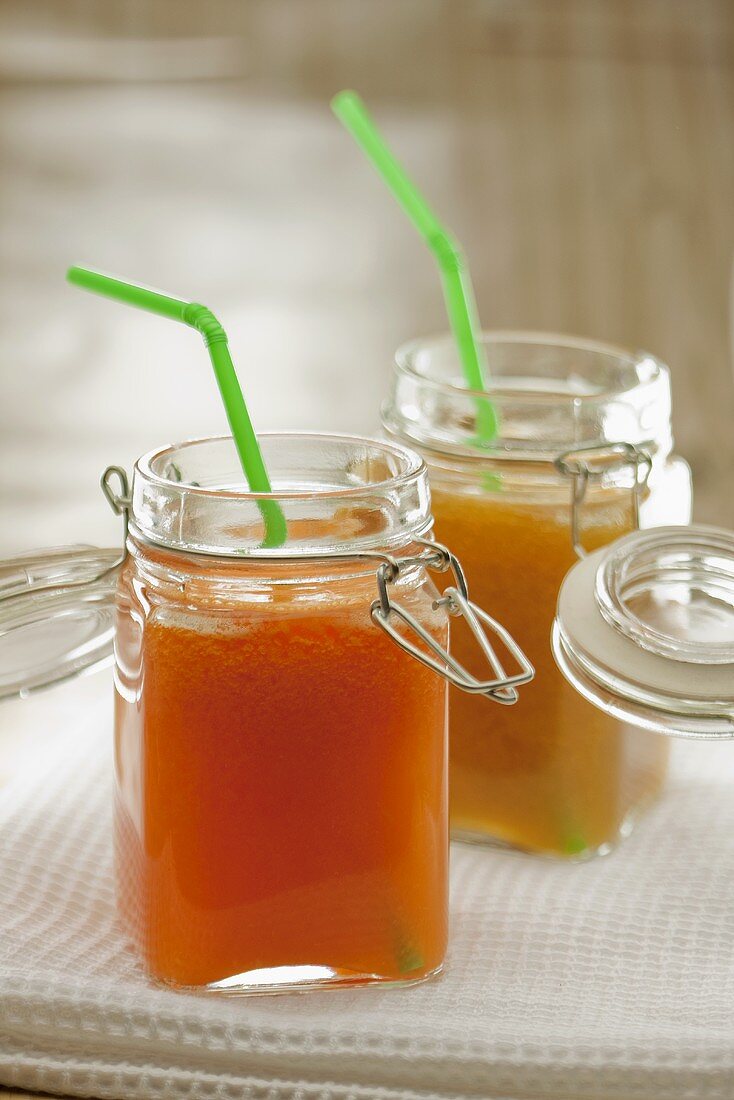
pixel 645 630
pixel 56 616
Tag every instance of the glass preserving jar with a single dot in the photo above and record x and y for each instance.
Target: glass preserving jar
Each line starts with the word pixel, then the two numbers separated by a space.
pixel 583 454
pixel 280 727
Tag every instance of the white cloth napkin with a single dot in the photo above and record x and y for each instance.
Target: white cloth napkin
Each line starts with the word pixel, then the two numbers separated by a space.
pixel 613 979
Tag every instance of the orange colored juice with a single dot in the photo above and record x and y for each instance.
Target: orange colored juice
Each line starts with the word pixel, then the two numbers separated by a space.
pixel 551 773
pixel 281 803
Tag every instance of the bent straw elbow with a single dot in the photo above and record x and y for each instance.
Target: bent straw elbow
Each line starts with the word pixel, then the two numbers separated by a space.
pixel 447 251
pixel 204 321
pixel 350 109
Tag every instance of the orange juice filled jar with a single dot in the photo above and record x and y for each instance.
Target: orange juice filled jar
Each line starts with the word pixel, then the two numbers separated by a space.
pixel 281 795
pixel 583 454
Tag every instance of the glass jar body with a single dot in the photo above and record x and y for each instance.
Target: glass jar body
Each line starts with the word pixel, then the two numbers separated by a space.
pixel 281 772
pixel 552 774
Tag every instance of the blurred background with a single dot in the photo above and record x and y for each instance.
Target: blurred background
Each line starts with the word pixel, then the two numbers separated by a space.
pixel 581 149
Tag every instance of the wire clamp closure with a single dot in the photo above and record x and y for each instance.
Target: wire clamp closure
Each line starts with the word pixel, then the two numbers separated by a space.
pixel 586 464
pixel 387 615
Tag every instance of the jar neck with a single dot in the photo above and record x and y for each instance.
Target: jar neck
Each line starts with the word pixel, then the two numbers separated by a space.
pixel 551 395
pixel 610 485
pixel 178 570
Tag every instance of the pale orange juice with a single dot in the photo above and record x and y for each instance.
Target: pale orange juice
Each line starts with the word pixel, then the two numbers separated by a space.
pixel 582 453
pixel 551 773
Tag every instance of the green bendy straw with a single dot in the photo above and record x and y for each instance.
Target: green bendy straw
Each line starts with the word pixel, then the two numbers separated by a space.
pixel 457 287
pixel 215 338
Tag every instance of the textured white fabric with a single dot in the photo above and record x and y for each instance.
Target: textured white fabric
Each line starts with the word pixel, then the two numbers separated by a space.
pixel 613 979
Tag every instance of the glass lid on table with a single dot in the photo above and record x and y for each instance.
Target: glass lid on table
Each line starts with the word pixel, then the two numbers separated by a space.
pixel 56 616
pixel 645 630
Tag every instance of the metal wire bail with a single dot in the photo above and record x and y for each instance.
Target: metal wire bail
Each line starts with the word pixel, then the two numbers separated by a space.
pixel 119 501
pixel 609 456
pixel 501 687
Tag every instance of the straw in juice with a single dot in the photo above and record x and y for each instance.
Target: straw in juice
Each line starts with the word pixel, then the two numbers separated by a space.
pixel 467 715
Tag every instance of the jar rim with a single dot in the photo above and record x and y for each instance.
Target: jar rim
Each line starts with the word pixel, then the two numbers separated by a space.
pixel 406 354
pixel 551 394
pixel 415 467
pixel 333 489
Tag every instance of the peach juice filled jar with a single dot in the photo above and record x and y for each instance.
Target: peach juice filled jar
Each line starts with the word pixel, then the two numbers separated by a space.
pixel 583 454
pixel 280 729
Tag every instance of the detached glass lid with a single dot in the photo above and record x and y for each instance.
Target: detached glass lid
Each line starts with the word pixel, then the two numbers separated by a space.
pixel 56 616
pixel 645 630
